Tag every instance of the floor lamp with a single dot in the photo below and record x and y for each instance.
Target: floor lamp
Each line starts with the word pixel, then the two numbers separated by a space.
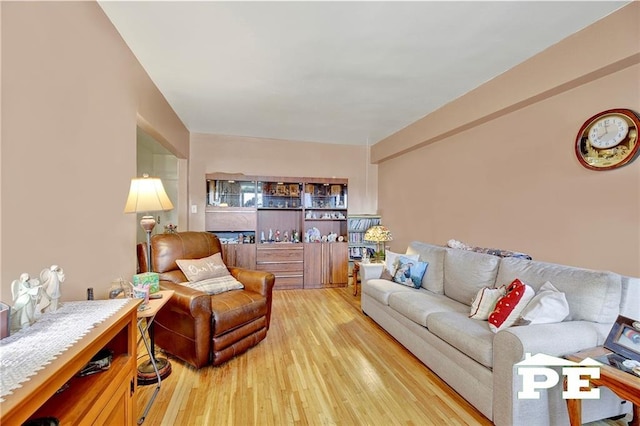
pixel 147 195
pixel 378 234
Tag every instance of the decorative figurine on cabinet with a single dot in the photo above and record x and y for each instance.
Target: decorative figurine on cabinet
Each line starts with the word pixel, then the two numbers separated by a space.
pixel 51 278
pixel 26 292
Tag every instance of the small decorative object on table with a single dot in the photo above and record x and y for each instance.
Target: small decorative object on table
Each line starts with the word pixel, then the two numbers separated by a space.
pixel 5 319
pixel 150 278
pixel 100 362
pixel 170 228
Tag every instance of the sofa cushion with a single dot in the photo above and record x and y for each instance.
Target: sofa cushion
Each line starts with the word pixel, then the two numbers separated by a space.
pixel 592 295
pixel 418 305
pixel 380 289
pixel 467 272
pixel 433 280
pixel 510 306
pixel 473 338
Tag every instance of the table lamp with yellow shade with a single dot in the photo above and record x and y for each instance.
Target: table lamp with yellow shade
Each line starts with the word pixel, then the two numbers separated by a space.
pixel 378 234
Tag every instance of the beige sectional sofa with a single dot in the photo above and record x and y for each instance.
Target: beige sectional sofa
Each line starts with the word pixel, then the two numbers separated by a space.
pixel 433 323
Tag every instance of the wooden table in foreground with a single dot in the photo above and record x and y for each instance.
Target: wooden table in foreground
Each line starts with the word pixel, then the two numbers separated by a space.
pixel 106 398
pixel 625 385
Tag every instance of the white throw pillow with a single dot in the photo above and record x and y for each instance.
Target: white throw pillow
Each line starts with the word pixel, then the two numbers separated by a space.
pixel 548 306
pixel 485 302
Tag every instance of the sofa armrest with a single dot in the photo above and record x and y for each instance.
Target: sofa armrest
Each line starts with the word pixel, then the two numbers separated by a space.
pixel 370 271
pixel 510 347
pixel 188 301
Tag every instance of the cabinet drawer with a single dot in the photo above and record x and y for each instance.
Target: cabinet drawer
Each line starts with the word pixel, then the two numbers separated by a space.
pixel 280 254
pixel 275 267
pixel 284 282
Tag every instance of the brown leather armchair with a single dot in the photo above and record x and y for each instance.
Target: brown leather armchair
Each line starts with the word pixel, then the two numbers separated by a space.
pixel 199 328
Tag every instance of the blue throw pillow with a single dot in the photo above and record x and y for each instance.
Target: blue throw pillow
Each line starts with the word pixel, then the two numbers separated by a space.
pixel 409 272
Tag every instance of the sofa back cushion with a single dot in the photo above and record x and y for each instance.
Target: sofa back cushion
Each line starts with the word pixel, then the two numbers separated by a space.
pixel 433 280
pixel 466 272
pixel 630 303
pixel 592 295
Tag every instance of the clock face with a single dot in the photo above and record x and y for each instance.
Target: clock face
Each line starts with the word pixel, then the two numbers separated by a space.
pixel 608 132
pixel 608 139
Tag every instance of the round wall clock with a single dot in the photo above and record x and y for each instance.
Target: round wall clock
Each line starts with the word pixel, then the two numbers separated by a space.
pixel 608 140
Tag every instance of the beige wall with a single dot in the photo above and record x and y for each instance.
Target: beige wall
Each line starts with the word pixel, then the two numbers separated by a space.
pixel 72 95
pixel 269 157
pixel 496 168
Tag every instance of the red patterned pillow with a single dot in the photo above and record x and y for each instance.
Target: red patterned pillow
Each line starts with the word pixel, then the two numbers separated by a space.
pixel 510 306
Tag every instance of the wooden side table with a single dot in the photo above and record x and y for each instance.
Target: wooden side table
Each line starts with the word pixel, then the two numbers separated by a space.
pixel 356 269
pixel 625 385
pixel 145 321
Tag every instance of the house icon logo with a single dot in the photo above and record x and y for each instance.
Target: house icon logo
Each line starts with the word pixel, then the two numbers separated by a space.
pixel 540 366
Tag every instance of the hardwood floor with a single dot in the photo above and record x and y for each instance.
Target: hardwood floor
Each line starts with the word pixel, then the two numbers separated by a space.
pixel 323 363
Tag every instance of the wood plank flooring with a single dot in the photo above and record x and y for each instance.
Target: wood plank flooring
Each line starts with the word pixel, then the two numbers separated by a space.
pixel 323 363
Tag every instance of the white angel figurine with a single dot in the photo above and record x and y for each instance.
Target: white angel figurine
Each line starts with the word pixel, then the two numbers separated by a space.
pixel 25 292
pixel 51 278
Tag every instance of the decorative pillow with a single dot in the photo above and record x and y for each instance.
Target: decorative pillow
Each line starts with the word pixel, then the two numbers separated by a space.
pixel 549 305
pixel 510 306
pixel 485 302
pixel 201 269
pixel 215 285
pixel 409 272
pixel 390 259
pixel 386 275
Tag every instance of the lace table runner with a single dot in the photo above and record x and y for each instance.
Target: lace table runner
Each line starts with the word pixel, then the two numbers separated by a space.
pixel 29 350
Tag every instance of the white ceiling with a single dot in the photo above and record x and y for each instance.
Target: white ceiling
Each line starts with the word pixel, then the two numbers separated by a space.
pixel 333 72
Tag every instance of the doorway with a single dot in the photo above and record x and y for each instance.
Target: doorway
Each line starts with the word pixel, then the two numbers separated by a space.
pixel 155 160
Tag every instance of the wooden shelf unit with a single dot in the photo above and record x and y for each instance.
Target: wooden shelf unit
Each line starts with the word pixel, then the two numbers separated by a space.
pixel 105 398
pixel 281 204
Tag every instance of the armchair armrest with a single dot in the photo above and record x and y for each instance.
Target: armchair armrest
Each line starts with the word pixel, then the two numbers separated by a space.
pixel 188 301
pixel 258 281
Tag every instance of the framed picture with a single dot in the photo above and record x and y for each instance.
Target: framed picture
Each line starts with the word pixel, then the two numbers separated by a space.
pixel 294 190
pixel 336 189
pixel 281 190
pixel 624 338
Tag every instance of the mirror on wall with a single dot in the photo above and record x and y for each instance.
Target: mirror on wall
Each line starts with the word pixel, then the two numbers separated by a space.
pixel 157 161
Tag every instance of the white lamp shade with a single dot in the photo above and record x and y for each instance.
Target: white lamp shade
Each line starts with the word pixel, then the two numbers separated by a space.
pixel 147 195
